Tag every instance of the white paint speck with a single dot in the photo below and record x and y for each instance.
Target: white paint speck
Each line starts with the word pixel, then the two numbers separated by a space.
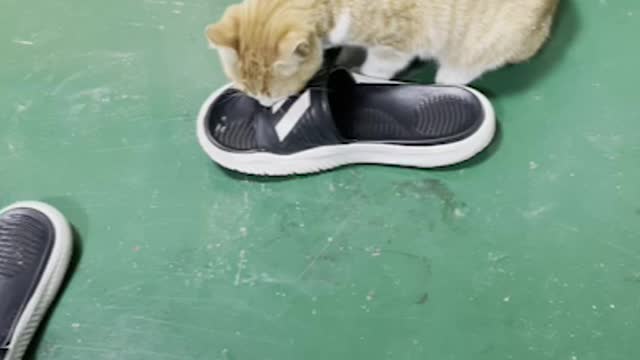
pixel 533 165
pixel 20 108
pixel 371 295
pixel 612 306
pixel 534 213
pixel 507 299
pixel 75 325
pixel 23 42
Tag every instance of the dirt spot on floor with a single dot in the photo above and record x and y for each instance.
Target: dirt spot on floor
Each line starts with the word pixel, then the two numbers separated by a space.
pixel 424 299
pixel 429 189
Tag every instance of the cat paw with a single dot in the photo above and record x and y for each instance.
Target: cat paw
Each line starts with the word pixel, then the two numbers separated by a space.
pixel 451 76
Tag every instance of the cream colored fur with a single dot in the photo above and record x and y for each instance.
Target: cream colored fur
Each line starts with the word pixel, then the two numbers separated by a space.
pixel 271 48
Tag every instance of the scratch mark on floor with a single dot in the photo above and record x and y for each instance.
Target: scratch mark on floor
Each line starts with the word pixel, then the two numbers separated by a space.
pixel 123 148
pixel 315 259
pixel 67 80
pixel 207 330
pixel 242 262
pixel 330 242
pixel 622 249
pixel 120 351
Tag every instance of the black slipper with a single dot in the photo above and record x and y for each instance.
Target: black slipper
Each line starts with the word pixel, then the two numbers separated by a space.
pixel 350 119
pixel 35 249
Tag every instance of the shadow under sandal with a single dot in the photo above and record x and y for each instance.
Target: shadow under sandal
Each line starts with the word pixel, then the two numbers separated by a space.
pixel 35 249
pixel 348 119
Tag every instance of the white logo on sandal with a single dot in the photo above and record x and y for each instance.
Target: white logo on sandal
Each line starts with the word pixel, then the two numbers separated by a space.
pixel 293 115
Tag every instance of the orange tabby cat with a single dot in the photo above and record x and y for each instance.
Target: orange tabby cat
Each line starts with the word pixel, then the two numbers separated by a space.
pixel 270 49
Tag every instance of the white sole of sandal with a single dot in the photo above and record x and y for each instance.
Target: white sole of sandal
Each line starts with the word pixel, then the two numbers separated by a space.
pixel 49 282
pixel 330 157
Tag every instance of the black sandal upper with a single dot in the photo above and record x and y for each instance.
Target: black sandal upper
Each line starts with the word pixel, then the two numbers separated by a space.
pixel 343 112
pixel 26 241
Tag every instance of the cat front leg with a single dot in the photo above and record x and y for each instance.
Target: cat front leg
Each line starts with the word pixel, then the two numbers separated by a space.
pixel 384 62
pixel 451 75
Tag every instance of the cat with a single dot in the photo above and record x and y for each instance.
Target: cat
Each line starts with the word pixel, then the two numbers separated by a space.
pixel 270 49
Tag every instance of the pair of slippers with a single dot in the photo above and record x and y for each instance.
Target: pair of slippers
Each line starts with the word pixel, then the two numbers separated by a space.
pixel 346 119
pixel 342 119
pixel 35 249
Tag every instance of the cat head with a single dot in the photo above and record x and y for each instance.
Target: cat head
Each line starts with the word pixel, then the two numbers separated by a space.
pixel 268 52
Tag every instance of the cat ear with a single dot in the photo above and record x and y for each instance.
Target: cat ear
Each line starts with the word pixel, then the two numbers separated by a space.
pixel 294 49
pixel 302 49
pixel 224 34
pixel 295 45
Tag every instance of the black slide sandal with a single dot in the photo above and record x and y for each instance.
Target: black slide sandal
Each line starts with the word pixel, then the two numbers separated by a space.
pixel 404 113
pixel 350 120
pixel 35 250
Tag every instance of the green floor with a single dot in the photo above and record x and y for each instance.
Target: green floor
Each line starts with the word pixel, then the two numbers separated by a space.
pixel 531 251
